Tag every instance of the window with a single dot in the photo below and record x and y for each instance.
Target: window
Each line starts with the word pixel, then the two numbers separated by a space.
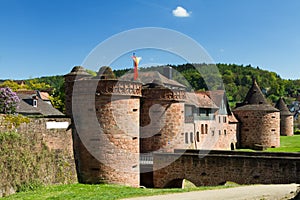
pixel 206 128
pixel 34 104
pixel 225 132
pixel 202 128
pixel 212 132
pixel 198 136
pixel 219 119
pixel 186 138
pixel 225 119
pixel 220 132
pixel 191 137
pixel 207 112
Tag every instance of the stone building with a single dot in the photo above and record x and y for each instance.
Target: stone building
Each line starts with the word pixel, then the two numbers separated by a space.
pixel 259 121
pixel 115 120
pixel 286 118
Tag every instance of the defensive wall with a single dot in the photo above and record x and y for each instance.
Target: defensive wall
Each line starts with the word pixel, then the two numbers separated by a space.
pixel 205 168
pixel 39 151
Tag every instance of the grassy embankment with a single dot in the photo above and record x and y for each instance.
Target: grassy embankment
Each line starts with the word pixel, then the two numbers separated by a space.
pixel 93 192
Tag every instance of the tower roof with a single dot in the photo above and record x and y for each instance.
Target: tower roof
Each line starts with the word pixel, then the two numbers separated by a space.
pixel 281 105
pixel 255 95
pixel 78 70
pixel 255 100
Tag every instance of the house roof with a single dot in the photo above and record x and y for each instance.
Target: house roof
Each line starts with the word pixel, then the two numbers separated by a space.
pixel 281 105
pixel 43 108
pixel 200 99
pixel 255 100
pixel 149 77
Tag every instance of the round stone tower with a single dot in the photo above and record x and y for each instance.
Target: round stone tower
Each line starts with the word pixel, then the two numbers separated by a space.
pixel 162 118
pixel 77 73
pixel 105 115
pixel 259 121
pixel 286 118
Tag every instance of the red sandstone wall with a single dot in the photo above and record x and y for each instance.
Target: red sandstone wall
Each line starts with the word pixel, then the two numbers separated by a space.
pixel 259 127
pixel 161 125
pixel 217 169
pixel 106 119
pixel 286 125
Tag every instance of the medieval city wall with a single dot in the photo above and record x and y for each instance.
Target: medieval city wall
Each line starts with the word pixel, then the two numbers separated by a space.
pixel 40 151
pixel 215 169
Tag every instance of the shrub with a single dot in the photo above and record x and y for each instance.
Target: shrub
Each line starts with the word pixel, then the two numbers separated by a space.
pixel 8 101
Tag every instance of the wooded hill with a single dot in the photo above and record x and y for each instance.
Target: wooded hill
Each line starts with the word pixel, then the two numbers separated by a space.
pixel 236 79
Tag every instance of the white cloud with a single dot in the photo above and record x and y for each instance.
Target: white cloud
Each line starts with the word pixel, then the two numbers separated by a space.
pixel 180 12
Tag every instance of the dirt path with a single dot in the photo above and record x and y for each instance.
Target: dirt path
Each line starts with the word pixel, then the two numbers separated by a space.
pixel 253 192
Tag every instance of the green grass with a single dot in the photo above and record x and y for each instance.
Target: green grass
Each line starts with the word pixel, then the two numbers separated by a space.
pixel 93 192
pixel 287 144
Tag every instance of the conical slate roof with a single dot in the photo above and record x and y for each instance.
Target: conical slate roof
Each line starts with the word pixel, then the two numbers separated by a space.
pixel 280 105
pixel 255 100
pixel 78 70
pixel 255 95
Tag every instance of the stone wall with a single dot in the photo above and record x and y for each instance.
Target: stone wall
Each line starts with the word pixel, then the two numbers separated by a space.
pixel 33 153
pixel 259 127
pixel 162 124
pixel 105 115
pixel 217 168
pixel 286 125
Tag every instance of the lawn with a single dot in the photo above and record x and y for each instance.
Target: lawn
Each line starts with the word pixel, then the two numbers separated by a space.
pixel 287 144
pixel 103 192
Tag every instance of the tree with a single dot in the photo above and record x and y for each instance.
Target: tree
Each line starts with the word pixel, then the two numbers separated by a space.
pixel 8 101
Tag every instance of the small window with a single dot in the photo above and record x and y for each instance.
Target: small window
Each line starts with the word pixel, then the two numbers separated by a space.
pixel 206 128
pixel 186 138
pixel 219 119
pixel 198 136
pixel 202 128
pixel 34 103
pixel 212 132
pixel 225 132
pixel 225 119
pixel 245 117
pixel 220 132
pixel 192 137
pixel 207 112
pixel 273 117
pixel 273 129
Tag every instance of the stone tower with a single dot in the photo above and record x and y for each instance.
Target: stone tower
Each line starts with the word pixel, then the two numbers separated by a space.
pixel 162 118
pixel 260 122
pixel 105 115
pixel 286 118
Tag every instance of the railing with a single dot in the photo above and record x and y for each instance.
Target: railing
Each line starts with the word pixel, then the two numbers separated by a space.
pixel 146 159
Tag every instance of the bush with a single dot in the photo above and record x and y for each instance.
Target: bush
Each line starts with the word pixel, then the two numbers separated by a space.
pixel 8 101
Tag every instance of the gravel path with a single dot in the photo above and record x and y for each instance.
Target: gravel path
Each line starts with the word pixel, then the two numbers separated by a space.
pixel 252 192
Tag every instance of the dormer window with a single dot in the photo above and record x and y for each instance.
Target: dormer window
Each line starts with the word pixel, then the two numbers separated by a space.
pixel 34 103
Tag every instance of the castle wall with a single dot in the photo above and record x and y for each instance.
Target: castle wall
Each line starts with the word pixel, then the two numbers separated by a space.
pixel 209 168
pixel 259 127
pixel 162 120
pixel 38 154
pixel 287 125
pixel 106 131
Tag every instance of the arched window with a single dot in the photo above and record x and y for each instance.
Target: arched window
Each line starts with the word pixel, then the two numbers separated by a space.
pixel 198 136
pixel 206 128
pixel 202 128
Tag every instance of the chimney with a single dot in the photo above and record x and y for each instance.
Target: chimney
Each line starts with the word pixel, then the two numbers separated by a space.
pixel 167 72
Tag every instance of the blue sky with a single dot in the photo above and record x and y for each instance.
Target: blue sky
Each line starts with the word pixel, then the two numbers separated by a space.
pixel 49 37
